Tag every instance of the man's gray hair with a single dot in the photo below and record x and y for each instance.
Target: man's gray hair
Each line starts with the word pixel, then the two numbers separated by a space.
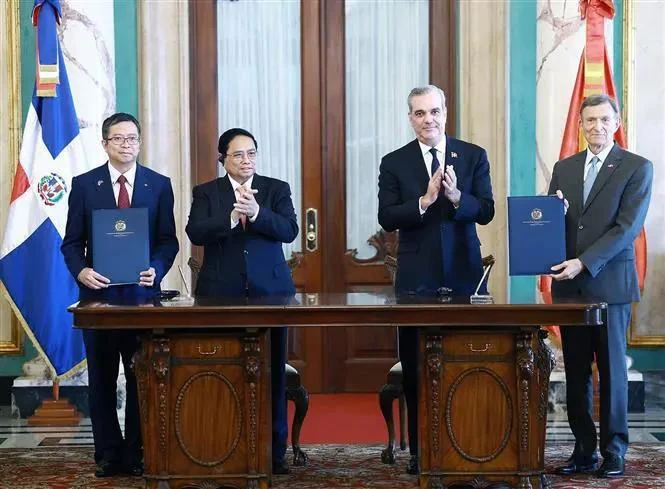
pixel 599 99
pixel 424 90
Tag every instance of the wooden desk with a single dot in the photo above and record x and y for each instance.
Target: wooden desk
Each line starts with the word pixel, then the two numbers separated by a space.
pixel 204 383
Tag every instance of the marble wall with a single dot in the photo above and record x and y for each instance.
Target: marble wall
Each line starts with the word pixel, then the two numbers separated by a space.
pixel 483 115
pixel 561 37
pixel 644 107
pixel 164 85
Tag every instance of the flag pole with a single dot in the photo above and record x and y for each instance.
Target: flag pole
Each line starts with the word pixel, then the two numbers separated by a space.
pixel 55 411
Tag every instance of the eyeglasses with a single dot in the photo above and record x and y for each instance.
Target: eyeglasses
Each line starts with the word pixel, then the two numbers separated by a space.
pixel 239 155
pixel 120 140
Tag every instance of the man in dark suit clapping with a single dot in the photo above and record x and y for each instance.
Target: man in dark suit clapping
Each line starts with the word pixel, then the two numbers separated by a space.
pixel 434 191
pixel 241 220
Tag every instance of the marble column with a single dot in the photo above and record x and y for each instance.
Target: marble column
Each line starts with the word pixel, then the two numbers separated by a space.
pixel 164 86
pixel 483 105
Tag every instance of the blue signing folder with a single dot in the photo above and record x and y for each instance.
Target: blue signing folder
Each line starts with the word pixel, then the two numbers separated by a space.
pixel 120 244
pixel 536 234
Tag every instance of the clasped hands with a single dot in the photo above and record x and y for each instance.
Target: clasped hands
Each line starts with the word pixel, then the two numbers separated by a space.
pixel 246 204
pixel 96 281
pixel 568 269
pixel 449 183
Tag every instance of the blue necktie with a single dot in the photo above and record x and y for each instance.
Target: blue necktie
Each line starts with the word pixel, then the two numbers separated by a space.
pixel 435 160
pixel 590 177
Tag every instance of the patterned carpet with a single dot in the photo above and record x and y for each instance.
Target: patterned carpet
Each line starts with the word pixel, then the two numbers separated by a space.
pixel 331 466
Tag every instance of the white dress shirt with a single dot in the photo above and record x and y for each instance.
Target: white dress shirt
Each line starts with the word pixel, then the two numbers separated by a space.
pixel 427 156
pixel 130 175
pixel 602 156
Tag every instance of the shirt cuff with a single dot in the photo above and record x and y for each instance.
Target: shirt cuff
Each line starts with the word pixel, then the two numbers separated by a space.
pixel 234 222
pixel 420 207
pixel 253 218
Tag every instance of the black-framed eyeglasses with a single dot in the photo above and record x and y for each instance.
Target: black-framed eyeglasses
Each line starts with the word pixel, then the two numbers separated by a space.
pixel 239 155
pixel 120 140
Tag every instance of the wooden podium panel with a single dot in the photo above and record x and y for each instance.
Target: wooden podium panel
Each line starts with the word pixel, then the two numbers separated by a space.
pixel 204 383
pixel 483 407
pixel 204 403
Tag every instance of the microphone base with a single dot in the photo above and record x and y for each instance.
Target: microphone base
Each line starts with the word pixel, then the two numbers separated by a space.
pixel 481 299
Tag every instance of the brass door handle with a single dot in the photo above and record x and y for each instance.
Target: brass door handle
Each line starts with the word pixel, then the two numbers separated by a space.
pixel 311 229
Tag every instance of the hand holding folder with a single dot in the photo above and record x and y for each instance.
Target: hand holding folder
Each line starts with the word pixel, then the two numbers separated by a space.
pixel 121 245
pixel 536 234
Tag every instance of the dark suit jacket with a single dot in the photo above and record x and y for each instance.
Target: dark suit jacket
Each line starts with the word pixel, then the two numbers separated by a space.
pixel 237 258
pixel 441 247
pixel 601 232
pixel 94 190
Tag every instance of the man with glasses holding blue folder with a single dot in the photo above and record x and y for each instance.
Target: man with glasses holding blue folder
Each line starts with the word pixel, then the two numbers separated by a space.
pixel 606 191
pixel 121 183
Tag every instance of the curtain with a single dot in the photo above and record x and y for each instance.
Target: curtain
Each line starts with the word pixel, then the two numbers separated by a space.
pixel 259 85
pixel 387 54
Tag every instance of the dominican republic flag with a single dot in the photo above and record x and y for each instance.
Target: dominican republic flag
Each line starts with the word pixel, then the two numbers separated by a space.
pixel 32 269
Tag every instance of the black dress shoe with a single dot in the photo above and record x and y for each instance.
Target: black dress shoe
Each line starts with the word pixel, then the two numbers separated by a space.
pixel 412 466
pixel 577 466
pixel 612 466
pixel 106 468
pixel 134 469
pixel 280 468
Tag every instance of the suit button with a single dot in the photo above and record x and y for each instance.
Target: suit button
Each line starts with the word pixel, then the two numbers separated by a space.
pixel 245 252
pixel 580 227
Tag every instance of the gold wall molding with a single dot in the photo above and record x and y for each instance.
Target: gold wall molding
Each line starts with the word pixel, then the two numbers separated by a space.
pixel 11 334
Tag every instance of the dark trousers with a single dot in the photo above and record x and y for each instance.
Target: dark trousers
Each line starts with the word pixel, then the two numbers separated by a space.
pixel 278 392
pixel 104 350
pixel 608 344
pixel 408 355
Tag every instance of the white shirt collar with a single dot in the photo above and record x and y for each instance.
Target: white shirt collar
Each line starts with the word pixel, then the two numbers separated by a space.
pixel 440 148
pixel 130 174
pixel 235 185
pixel 602 156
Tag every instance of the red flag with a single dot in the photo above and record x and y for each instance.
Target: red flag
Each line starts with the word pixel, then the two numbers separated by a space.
pixel 593 76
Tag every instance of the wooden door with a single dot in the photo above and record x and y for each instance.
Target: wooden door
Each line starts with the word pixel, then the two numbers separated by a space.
pixel 330 359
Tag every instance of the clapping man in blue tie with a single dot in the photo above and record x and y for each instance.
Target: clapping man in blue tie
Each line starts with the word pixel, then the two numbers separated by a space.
pixel 434 191
pixel 607 191
pixel 119 183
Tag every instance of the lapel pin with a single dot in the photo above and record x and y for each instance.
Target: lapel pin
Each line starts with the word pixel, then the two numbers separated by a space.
pixel 99 183
pixel 453 154
pixel 610 166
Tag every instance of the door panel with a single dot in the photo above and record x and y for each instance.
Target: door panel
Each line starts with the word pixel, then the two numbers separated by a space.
pixel 340 144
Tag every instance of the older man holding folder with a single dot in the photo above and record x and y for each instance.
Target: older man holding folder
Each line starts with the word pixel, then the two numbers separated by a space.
pixel 121 183
pixel 607 191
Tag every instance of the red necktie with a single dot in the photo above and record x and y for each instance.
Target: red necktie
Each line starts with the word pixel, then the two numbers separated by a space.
pixel 123 195
pixel 243 217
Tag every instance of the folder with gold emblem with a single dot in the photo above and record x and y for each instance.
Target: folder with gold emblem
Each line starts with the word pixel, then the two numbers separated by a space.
pixel 536 234
pixel 120 244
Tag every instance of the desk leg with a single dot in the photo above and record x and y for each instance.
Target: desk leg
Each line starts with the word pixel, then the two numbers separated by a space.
pixel 525 366
pixel 430 410
pixel 252 358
